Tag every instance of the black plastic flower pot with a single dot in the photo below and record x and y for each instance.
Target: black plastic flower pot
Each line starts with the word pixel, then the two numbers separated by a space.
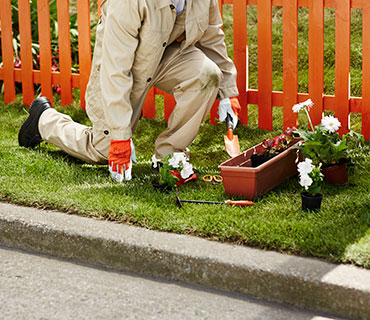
pixel 310 202
pixel 162 187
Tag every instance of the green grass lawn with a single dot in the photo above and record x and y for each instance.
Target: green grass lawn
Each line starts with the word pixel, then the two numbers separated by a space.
pixel 47 178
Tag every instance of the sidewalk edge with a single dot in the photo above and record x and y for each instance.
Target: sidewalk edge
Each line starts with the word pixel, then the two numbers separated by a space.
pixel 341 290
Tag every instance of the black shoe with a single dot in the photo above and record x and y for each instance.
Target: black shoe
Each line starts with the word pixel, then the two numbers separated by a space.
pixel 29 134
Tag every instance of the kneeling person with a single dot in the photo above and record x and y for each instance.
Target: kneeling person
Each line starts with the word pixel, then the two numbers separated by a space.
pixel 175 45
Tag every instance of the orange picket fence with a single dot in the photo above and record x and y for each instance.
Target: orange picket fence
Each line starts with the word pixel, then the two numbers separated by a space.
pixel 265 98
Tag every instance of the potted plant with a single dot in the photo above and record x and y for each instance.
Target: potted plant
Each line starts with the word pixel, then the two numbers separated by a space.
pixel 272 147
pixel 324 145
pixel 310 178
pixel 174 170
pixel 244 179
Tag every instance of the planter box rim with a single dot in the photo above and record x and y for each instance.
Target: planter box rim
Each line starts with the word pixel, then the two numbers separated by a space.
pixel 261 167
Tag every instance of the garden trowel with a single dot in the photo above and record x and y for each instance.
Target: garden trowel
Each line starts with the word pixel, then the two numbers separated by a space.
pixel 231 141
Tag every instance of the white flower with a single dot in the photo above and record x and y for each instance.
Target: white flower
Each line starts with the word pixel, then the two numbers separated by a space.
pixel 177 159
pixel 173 162
pixel 305 167
pixel 307 103
pixel 187 170
pixel 179 156
pixel 155 161
pixel 330 123
pixel 305 181
pixel 300 106
pixel 297 107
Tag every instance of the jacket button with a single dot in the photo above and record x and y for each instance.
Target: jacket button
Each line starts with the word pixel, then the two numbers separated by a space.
pixel 106 132
pixel 149 79
pixel 164 44
pixel 172 6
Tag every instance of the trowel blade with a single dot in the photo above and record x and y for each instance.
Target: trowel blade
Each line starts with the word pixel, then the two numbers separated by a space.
pixel 232 146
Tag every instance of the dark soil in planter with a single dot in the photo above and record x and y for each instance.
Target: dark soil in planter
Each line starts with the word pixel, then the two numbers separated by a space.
pixel 258 159
pixel 340 162
pixel 162 187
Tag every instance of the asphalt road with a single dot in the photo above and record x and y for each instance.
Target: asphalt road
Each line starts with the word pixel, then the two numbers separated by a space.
pixel 39 287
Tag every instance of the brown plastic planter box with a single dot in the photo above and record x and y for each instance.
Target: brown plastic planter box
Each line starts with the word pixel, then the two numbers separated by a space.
pixel 240 179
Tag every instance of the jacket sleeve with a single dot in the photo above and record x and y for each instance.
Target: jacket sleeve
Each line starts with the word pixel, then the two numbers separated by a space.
pixel 213 45
pixel 120 40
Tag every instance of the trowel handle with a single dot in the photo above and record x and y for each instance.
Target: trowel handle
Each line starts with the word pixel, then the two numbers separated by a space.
pixel 229 125
pixel 229 122
pixel 230 134
pixel 240 203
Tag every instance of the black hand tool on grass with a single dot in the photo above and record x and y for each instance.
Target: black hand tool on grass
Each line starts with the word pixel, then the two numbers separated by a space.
pixel 240 203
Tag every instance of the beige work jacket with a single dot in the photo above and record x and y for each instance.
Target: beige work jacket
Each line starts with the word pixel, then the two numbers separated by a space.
pixel 136 33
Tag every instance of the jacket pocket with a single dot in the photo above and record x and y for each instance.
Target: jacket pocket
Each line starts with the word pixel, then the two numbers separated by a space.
pixel 196 30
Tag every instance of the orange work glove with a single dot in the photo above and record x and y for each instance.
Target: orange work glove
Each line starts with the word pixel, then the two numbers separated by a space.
pixel 231 107
pixel 121 156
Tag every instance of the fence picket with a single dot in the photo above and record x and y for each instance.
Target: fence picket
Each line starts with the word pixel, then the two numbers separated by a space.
pixel 220 4
pixel 24 13
pixel 43 19
pixel 7 51
pixel 169 105
pixel 214 112
pixel 316 58
pixel 99 5
pixel 241 55
pixel 84 46
pixel 342 62
pixel 214 108
pixel 65 60
pixel 149 104
pixel 365 109
pixel 290 61
pixel 264 17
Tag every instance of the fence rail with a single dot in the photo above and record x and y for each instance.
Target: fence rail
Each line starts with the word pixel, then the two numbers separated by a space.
pixel 265 98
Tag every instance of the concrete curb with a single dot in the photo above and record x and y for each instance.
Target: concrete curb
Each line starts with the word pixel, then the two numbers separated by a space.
pixel 341 290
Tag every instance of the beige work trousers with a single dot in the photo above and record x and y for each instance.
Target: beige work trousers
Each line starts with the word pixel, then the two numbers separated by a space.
pixel 188 74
